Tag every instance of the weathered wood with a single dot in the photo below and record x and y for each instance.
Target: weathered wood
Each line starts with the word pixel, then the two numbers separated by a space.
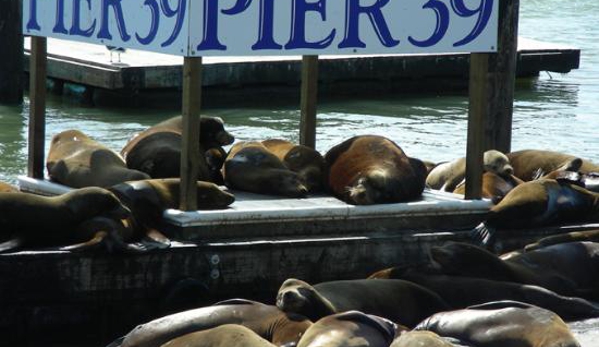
pixel 477 113
pixel 309 92
pixel 11 63
pixel 37 109
pixel 190 151
pixel 502 78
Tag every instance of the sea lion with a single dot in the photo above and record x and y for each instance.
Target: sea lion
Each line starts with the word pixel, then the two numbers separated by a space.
pixel 494 187
pixel 351 328
pixel 447 176
pixel 480 290
pixel 538 203
pixel 267 321
pixel 527 162
pixel 400 301
pixel 586 235
pixel 157 150
pixel 503 323
pixel 227 335
pixel 369 169
pixel 306 161
pixel 420 338
pixel 41 221
pixel 251 167
pixel 77 161
pixel 8 188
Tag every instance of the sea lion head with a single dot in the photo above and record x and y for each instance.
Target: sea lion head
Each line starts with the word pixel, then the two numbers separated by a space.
pixel 88 202
pixel 213 133
pixel 289 184
pixel 300 297
pixel 210 196
pixel 497 162
pixel 376 186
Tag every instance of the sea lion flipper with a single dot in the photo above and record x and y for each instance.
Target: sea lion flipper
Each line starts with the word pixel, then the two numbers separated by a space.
pixel 94 243
pixel 11 245
pixel 483 235
pixel 151 241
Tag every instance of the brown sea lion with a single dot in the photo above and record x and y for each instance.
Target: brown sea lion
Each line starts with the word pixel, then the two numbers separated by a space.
pixel 447 176
pixel 527 162
pixel 502 324
pixel 400 301
pixel 251 167
pixel 267 321
pixel 538 203
pixel 157 150
pixel 29 220
pixel 306 161
pixel 586 235
pixel 370 169
pixel 227 335
pixel 494 186
pixel 8 188
pixel 77 161
pixel 419 338
pixel 452 290
pixel 351 328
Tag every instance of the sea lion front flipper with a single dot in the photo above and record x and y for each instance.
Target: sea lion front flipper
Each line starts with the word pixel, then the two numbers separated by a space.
pixel 153 239
pixel 11 245
pixel 93 244
pixel 485 236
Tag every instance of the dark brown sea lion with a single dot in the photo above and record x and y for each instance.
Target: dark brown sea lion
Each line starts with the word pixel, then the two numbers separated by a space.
pixel 251 167
pixel 502 324
pixel 448 175
pixel 352 328
pixel 400 301
pixel 77 161
pixel 157 150
pixel 228 335
pixel 8 188
pixel 39 221
pixel 267 321
pixel 306 161
pixel 461 291
pixel 494 186
pixel 419 338
pixel 538 203
pixel 527 162
pixel 370 169
pixel 586 235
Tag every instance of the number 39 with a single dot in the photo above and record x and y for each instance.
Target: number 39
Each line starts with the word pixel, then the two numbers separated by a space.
pixel 483 11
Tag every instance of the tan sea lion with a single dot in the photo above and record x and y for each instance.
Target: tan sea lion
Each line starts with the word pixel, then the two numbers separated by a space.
pixel 227 335
pixel 400 301
pixel 504 323
pixel 251 167
pixel 306 161
pixel 370 169
pixel 419 338
pixel 8 188
pixel 494 187
pixel 77 161
pixel 29 220
pixel 527 162
pixel 447 176
pixel 267 321
pixel 351 328
pixel 157 150
pixel 538 203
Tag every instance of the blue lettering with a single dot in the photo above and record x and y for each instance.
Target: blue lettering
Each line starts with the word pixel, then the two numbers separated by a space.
pixel 298 25
pixel 59 27
pixel 375 15
pixel 265 35
pixel 32 23
pixel 484 14
pixel 76 28
pixel 442 13
pixel 240 6
pixel 180 13
pixel 104 32
pixel 210 38
pixel 155 9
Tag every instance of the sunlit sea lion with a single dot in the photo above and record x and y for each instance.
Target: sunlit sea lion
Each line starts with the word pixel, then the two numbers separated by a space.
pixel 420 338
pixel 527 162
pixel 493 186
pixel 228 335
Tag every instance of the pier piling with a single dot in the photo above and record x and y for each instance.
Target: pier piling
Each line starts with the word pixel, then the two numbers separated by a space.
pixel 11 43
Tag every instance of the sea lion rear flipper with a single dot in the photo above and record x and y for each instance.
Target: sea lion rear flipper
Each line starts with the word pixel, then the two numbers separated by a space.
pixel 153 239
pixel 10 245
pixel 94 243
pixel 483 235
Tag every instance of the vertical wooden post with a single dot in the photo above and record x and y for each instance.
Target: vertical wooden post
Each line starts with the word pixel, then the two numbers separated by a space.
pixel 190 151
pixel 11 63
pixel 308 100
pixel 502 78
pixel 37 108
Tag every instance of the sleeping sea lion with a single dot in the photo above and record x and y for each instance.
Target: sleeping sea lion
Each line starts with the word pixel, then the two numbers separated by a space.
pixel 267 321
pixel 306 161
pixel 494 187
pixel 251 167
pixel 420 338
pixel 527 162
pixel 227 335
pixel 447 176
pixel 77 161
pixel 400 301
pixel 351 328
pixel 503 323
pixel 369 169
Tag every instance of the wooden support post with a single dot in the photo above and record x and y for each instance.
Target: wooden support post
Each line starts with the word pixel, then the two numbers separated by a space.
pixel 190 151
pixel 308 100
pixel 37 108
pixel 502 79
pixel 11 63
pixel 477 114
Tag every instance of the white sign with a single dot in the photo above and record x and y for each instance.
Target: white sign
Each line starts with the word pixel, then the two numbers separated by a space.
pixel 270 27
